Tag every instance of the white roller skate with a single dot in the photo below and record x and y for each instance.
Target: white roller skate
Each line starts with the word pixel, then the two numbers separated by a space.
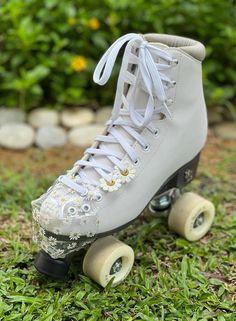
pixel 148 151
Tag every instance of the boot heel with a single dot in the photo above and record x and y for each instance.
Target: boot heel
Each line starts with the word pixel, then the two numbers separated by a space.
pixel 183 176
pixel 186 173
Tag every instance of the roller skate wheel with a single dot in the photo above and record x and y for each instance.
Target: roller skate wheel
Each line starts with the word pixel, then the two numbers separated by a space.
pixel 108 258
pixel 191 216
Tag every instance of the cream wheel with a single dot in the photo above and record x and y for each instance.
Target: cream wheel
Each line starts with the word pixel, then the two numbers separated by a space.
pixel 191 216
pixel 108 258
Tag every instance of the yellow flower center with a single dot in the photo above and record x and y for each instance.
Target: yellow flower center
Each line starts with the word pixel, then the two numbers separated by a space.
pixel 125 172
pixel 111 183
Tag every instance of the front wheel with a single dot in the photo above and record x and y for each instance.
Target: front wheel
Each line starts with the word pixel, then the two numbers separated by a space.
pixel 108 258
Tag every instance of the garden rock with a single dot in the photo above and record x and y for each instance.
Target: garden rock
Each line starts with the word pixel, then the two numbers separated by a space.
pixel 16 136
pixel 76 117
pixel 50 136
pixel 226 130
pixel 11 115
pixel 103 115
pixel 85 135
pixel 43 117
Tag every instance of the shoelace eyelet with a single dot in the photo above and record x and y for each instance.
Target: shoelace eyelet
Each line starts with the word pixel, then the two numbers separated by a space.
pixel 156 132
pixel 86 208
pixel 72 211
pixel 85 192
pixel 98 197
pixel 137 162
pixel 146 148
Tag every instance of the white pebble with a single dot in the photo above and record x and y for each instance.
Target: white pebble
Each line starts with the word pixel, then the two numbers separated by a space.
pixel 76 117
pixel 16 136
pixel 51 136
pixel 84 136
pixel 43 117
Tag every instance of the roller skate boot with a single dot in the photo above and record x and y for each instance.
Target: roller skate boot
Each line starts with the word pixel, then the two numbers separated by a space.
pixel 148 152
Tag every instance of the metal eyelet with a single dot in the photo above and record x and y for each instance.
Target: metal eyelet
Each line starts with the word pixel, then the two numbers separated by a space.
pixel 85 192
pixel 146 148
pixel 86 208
pixel 137 162
pixel 72 211
pixel 156 132
pixel 98 197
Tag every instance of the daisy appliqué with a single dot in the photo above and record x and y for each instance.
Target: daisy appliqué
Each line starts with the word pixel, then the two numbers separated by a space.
pixel 74 236
pixel 127 175
pixel 110 186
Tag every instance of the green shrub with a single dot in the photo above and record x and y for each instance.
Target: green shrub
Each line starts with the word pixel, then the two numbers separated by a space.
pixel 49 48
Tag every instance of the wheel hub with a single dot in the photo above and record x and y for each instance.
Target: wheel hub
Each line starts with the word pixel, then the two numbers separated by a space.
pixel 116 267
pixel 199 220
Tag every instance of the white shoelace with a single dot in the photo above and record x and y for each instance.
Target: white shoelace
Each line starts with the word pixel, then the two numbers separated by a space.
pixel 154 83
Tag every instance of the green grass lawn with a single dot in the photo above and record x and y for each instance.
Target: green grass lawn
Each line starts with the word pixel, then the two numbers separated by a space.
pixel 172 279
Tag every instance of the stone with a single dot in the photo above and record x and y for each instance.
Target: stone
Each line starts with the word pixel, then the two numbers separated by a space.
pixel 50 136
pixel 11 115
pixel 214 116
pixel 226 130
pixel 41 117
pixel 77 117
pixel 16 136
pixel 103 114
pixel 84 136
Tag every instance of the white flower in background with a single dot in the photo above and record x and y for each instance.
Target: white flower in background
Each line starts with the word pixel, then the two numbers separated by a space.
pixel 52 241
pixel 74 236
pixel 127 175
pixel 111 186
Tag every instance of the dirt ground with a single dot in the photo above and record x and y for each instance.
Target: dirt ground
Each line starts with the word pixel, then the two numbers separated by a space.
pixel 56 161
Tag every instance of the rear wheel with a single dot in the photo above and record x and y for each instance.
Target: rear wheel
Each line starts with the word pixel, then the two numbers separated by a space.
pixel 191 216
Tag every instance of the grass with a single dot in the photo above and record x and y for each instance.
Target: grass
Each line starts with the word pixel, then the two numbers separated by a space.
pixel 172 279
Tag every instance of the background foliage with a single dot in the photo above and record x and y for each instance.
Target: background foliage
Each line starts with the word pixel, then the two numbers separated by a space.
pixel 49 48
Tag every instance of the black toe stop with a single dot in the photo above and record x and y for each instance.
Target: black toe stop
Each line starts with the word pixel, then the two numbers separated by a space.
pixel 54 268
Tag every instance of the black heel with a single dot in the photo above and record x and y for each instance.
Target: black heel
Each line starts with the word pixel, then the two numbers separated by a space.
pixel 55 268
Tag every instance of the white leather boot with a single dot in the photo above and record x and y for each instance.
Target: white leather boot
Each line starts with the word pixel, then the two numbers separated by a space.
pixel 149 147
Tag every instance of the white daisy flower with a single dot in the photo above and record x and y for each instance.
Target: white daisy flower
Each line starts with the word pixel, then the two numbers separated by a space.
pixel 127 175
pixel 74 236
pixel 71 246
pixel 58 253
pixel 111 186
pixel 52 241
